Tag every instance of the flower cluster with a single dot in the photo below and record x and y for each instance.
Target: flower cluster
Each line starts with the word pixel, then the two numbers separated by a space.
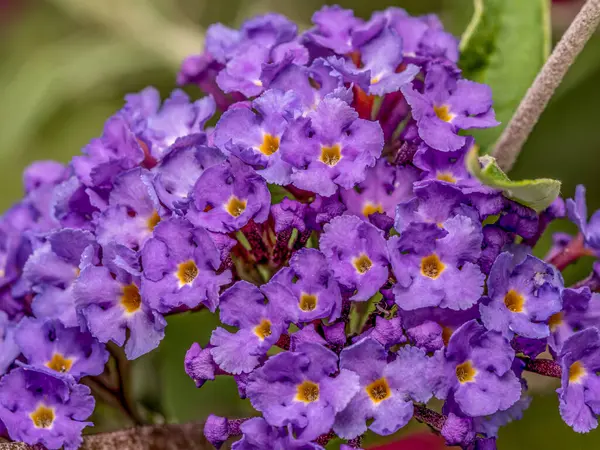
pixel 328 214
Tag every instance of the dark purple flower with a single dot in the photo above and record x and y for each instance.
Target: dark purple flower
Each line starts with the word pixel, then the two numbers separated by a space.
pixel 40 408
pixel 9 349
pixel 289 214
pixel 523 295
pixel 110 303
pixel 386 389
pixel 322 210
pixel 437 266
pixel 579 394
pixel 259 324
pixel 227 196
pixel 180 267
pixel 297 388
pixel 383 188
pixel 331 147
pixel 259 435
pixel 448 105
pixel 315 293
pixel 475 369
pixel 65 350
pixel 357 253
pixel 254 137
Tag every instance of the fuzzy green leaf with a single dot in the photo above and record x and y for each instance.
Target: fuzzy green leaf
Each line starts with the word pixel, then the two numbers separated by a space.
pixel 537 194
pixel 504 46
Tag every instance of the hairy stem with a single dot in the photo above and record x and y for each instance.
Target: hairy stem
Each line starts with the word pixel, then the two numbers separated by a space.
pixel 571 253
pixel 539 94
pixel 545 367
pixel 429 417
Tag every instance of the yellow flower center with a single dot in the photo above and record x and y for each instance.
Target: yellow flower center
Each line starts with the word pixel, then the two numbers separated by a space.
pixel 42 417
pixel 576 372
pixel 187 272
pixel 331 155
pixel 59 363
pixel 131 299
pixel 308 302
pixel 379 390
pixel 443 113
pixel 370 208
pixel 153 221
pixel 307 392
pixel 446 335
pixel 270 144
pixel 263 329
pixel 235 206
pixel 431 266
pixel 555 321
pixel 446 176
pixel 362 263
pixel 514 301
pixel 465 372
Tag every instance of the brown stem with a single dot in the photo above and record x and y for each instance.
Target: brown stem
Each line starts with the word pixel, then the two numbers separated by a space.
pixel 539 94
pixel 545 367
pixel 427 416
pixel 571 253
pixel 124 393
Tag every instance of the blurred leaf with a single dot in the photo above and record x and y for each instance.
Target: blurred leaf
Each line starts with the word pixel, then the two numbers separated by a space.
pixel 537 194
pixel 504 46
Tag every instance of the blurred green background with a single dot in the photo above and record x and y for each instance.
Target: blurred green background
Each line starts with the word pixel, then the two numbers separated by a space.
pixel 65 66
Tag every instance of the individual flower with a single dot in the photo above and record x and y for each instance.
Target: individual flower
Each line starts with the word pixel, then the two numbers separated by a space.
pixel 578 307
pixel 47 343
pixel 381 57
pixel 577 213
pixel 333 29
pixel 259 324
pixel 298 389
pixel 386 389
pixel 330 147
pixel 447 105
pixel 579 393
pixel 132 213
pixel 383 188
pixel 475 369
pixel 38 407
pixel 289 214
pixel 387 332
pixel 51 272
pixel 357 253
pixel 523 295
pixel 199 364
pixel 257 434
pixel 9 350
pixel 109 302
pixel 254 137
pixel 181 264
pixel 315 292
pixel 227 196
pixel 437 266
pixel 158 127
pixel 180 167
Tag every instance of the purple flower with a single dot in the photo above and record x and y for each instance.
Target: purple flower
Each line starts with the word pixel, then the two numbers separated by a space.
pixel 523 295
pixel 333 29
pixel 315 293
pixel 381 57
pixel 331 147
pixel 40 408
pixel 181 266
pixel 297 388
pixel 383 188
pixel 65 350
pixel 158 127
pixel 259 435
pixel 199 364
pixel 448 105
pixel 437 267
pixel 227 196
pixel 110 303
pixel 577 310
pixel 51 272
pixel 133 212
pixel 386 389
pixel 180 167
pixel 475 369
pixel 579 394
pixel 259 324
pixel 254 137
pixel 489 425
pixel 357 253
pixel 289 214
pixel 577 212
pixel 9 349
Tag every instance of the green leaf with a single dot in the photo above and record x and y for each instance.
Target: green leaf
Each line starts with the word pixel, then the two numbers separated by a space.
pixel 504 46
pixel 537 194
